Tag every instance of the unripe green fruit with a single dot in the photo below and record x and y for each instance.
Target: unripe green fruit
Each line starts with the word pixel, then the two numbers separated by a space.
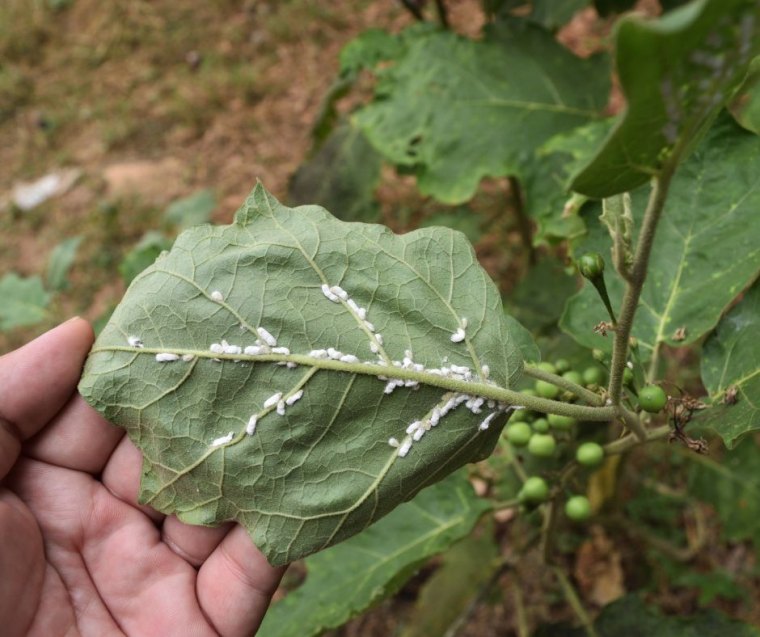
pixel 546 390
pixel 598 355
pixel 561 422
pixel 561 365
pixel 591 265
pixel 573 377
pixel 547 367
pixel 529 392
pixel 542 445
pixel 627 376
pixel 578 508
pixel 652 398
pixel 519 434
pixel 521 415
pixel 589 454
pixel 540 425
pixel 535 490
pixel 593 376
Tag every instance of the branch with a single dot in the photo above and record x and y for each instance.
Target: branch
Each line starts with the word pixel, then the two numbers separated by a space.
pixel 621 445
pixel 586 395
pixel 443 16
pixel 412 7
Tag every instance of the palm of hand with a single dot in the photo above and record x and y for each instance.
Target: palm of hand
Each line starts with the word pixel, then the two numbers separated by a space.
pixel 79 556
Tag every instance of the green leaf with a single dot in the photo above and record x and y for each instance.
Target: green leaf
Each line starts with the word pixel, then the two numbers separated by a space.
pixel 464 219
pixel 524 340
pixel 193 210
pixel 631 617
pixel 24 301
pixel 731 361
pixel 455 110
pixel 538 300
pixel 341 176
pixel 60 262
pixel 146 251
pixel 676 73
pixel 710 217
pixel 347 579
pixel 368 49
pixel 745 106
pixel 321 469
pixel 551 14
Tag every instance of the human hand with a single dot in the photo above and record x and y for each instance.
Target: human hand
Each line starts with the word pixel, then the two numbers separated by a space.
pixel 78 555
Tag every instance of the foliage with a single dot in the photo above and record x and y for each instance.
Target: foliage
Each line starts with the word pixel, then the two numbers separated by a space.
pixel 24 301
pixel 60 262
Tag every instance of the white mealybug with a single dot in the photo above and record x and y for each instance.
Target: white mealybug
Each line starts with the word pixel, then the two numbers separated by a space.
pixel 369 326
pixel 231 349
pixel 349 358
pixel 291 365
pixel 629 365
pixel 222 440
pixel 328 293
pixel 281 407
pixel 393 442
pixel 281 350
pixel 413 427
pixel 272 400
pixel 292 400
pixel 485 370
pixel 404 449
pixel 252 350
pixel 458 336
pixel 318 353
pixel 217 296
pixel 187 357
pixel 265 336
pixel 460 369
pixel 417 435
pixel 166 357
pixel 487 421
pixel 339 292
pixel 463 322
pixel 135 341
pixel 334 353
pixel 217 348
pixel 373 347
pixel 251 426
pixel 379 338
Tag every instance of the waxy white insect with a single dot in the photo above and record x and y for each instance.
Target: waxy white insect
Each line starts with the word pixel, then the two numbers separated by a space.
pixel 359 311
pixel 349 358
pixel 217 296
pixel 413 427
pixel 222 440
pixel 463 322
pixel 458 336
pixel 329 294
pixel 272 400
pixel 393 442
pixel 253 350
pixel 319 353
pixel 339 292
pixel 187 357
pixel 405 447
pixel 280 350
pixel 369 326
pixel 231 349
pixel 217 348
pixel 334 353
pixel 166 357
pixel 379 338
pixel 294 398
pixel 373 347
pixel 487 421
pixel 251 426
pixel 265 336
pixel 485 371
pixel 281 407
pixel 135 341
pixel 417 435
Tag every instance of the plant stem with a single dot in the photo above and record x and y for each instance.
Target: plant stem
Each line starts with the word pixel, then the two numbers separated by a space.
pixel 521 619
pixel 575 603
pixel 584 394
pixel 637 277
pixel 443 16
pixel 412 7
pixel 633 423
pixel 621 445
pixel 523 222
pixel 506 504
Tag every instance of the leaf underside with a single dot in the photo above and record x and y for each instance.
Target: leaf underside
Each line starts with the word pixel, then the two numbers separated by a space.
pixel 321 465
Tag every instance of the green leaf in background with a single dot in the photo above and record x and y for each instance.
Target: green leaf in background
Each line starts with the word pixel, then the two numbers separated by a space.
pixel 147 250
pixel 60 262
pixel 705 252
pixel 24 301
pixel 463 219
pixel 193 210
pixel 676 73
pixel 341 176
pixel 368 49
pixel 538 300
pixel 349 578
pixel 731 361
pixel 745 106
pixel 551 14
pixel 261 392
pixel 631 617
pixel 731 484
pixel 528 348
pixel 456 110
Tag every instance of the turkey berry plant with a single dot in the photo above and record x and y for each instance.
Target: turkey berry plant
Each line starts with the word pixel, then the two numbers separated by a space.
pixel 313 374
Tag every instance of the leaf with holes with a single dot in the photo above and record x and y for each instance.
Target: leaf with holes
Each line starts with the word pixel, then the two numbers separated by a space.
pixel 676 73
pixel 694 273
pixel 303 375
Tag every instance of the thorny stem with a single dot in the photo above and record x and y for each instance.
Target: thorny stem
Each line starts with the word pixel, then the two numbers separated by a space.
pixel 412 7
pixel 583 393
pixel 637 277
pixel 523 222
pixel 575 603
pixel 443 16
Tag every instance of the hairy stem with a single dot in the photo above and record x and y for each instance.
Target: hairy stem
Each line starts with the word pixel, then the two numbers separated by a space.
pixel 584 394
pixel 621 445
pixel 637 277
pixel 633 423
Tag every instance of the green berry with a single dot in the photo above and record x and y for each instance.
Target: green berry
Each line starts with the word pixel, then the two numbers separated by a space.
pixel 593 375
pixel 521 415
pixel 546 390
pixel 529 392
pixel 652 398
pixel 627 376
pixel 573 377
pixel 598 355
pixel 589 454
pixel 519 434
pixel 540 425
pixel 591 265
pixel 561 365
pixel 561 422
pixel 535 490
pixel 542 445
pixel 547 367
pixel 578 508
